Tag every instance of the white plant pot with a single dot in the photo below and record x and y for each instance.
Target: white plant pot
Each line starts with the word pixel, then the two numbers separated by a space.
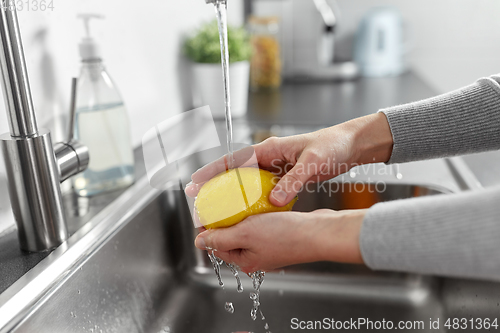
pixel 208 87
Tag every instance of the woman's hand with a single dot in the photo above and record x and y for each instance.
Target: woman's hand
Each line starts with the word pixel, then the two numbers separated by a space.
pixel 273 240
pixel 311 157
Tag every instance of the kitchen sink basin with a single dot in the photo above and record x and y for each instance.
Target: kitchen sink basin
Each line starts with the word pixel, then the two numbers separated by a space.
pixel 134 268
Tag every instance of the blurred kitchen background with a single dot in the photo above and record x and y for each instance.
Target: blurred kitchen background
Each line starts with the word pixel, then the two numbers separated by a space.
pixel 450 44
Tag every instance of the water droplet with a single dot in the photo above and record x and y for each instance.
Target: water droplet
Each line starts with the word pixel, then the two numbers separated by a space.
pixel 253 314
pixel 395 169
pixel 216 264
pixel 229 307
pixel 257 280
pixel 236 275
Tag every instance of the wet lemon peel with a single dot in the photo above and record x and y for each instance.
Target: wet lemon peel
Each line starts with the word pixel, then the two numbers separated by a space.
pixel 233 195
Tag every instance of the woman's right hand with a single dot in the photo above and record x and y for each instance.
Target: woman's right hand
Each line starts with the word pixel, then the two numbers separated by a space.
pixel 310 157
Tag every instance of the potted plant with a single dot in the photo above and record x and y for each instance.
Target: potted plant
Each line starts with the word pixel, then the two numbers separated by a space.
pixel 203 49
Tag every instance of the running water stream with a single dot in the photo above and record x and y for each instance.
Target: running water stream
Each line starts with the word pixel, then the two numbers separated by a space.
pixel 257 277
pixel 221 13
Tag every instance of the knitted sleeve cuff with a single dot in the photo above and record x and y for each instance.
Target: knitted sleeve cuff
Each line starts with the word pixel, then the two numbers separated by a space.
pixel 464 121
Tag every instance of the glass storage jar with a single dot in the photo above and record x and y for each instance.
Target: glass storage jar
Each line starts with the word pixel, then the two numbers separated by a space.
pixel 265 72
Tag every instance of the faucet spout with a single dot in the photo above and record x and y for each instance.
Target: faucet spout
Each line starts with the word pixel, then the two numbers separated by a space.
pixel 16 88
pixel 34 170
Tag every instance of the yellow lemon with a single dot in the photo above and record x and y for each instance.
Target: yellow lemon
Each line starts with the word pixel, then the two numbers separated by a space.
pixel 234 195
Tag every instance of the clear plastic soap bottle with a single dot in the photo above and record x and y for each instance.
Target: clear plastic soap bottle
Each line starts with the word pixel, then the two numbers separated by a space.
pixel 102 124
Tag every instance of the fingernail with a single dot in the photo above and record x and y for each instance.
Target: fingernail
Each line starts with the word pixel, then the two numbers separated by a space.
pixel 279 195
pixel 200 243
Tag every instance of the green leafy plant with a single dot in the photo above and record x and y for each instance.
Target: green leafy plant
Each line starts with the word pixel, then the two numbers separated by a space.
pixel 204 45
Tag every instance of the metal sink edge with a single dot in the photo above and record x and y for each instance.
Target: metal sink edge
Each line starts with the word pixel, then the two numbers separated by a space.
pixel 37 285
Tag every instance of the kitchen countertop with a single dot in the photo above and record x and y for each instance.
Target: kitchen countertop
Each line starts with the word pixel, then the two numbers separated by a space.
pixel 330 103
pixel 308 105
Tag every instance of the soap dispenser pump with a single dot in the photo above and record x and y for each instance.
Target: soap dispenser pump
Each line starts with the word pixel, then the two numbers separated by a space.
pixel 89 49
pixel 102 123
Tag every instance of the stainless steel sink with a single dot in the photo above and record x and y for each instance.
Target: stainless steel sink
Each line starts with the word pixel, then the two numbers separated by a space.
pixel 133 268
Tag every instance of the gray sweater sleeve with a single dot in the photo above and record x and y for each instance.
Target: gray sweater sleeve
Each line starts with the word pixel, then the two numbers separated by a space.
pixel 455 234
pixel 460 122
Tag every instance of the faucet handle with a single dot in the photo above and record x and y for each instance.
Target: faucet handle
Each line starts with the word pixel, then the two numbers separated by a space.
pixel 72 109
pixel 72 156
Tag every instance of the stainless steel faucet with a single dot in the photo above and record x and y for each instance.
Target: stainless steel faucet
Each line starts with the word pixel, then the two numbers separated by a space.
pixel 34 167
pixel 327 41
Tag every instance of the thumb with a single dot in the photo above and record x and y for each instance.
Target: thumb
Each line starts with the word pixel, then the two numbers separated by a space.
pixel 225 239
pixel 290 184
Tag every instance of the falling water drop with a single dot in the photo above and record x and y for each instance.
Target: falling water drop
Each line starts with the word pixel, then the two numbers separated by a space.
pixel 229 307
pixel 236 276
pixel 395 168
pixel 257 279
pixel 216 264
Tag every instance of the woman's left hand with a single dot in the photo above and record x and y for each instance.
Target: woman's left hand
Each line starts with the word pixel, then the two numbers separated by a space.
pixel 273 240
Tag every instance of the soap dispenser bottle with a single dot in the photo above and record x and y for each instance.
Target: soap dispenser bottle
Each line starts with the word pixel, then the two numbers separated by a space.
pixel 102 124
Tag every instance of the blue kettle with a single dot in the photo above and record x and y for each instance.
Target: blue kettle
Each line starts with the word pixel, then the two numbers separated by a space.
pixel 380 47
